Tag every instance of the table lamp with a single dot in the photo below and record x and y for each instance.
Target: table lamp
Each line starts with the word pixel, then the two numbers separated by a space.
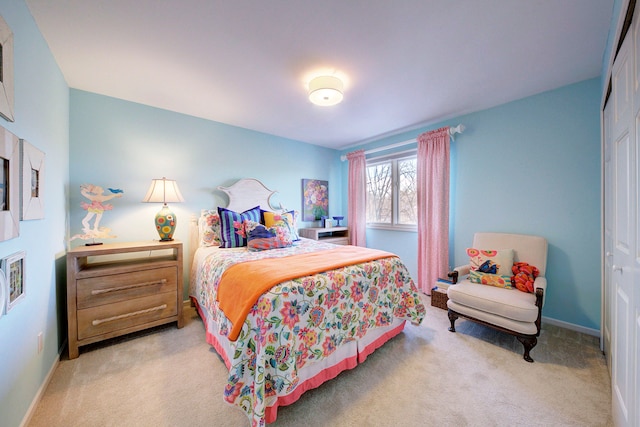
pixel 162 191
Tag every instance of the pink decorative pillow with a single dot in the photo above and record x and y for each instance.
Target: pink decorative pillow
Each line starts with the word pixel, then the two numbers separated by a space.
pixel 491 261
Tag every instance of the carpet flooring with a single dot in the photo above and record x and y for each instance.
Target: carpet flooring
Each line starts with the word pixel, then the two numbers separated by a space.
pixel 426 376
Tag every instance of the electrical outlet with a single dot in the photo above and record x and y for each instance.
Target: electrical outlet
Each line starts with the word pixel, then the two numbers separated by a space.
pixel 40 342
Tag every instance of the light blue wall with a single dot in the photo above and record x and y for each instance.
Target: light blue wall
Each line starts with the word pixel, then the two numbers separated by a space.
pixel 42 118
pixel 531 166
pixel 124 145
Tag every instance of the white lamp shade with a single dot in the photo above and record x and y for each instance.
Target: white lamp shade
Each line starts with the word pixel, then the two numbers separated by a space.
pixel 325 91
pixel 162 191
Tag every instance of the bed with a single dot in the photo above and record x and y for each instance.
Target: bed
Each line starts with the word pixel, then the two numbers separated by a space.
pixel 305 326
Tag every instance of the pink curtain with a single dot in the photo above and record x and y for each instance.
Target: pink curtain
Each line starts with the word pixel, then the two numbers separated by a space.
pixel 357 211
pixel 433 207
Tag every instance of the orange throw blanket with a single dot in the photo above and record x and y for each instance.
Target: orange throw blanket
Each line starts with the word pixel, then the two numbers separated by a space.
pixel 242 284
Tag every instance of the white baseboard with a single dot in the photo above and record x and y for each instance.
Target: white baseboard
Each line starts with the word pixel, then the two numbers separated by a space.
pixel 34 403
pixel 571 326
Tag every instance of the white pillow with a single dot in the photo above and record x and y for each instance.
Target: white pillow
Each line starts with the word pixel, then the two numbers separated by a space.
pixel 491 260
pixel 209 227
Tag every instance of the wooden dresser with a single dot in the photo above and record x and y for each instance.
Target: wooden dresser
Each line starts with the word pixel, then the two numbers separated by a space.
pixel 335 235
pixel 119 288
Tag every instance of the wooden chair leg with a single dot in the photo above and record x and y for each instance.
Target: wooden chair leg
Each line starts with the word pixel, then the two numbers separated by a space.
pixel 528 343
pixel 452 318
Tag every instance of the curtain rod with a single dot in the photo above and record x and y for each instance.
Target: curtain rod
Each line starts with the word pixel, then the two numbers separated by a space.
pixel 452 131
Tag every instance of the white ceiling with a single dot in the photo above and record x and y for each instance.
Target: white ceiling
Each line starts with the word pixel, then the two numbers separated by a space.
pixel 405 63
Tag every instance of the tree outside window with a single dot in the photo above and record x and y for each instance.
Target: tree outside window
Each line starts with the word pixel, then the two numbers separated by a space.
pixel 392 193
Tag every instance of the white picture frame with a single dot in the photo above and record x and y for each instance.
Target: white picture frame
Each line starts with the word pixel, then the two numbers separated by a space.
pixel 3 293
pixel 9 185
pixel 31 182
pixel 14 271
pixel 6 72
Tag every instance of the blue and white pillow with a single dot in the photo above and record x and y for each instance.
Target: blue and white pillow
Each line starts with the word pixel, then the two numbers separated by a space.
pixel 232 233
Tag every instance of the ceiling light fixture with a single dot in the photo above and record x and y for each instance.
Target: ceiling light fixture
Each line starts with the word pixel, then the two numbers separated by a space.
pixel 325 91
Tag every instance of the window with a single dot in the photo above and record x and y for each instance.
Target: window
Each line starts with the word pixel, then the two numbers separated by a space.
pixel 392 193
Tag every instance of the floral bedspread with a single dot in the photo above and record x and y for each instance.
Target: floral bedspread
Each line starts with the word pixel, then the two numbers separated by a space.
pixel 302 320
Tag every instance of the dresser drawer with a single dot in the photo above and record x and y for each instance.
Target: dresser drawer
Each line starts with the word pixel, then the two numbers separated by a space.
pixel 112 317
pixel 95 291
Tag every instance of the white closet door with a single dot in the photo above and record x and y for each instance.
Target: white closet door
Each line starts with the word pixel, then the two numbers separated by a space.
pixel 623 186
pixel 607 291
pixel 634 280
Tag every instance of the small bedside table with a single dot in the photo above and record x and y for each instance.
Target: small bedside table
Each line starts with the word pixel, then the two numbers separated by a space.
pixel 118 288
pixel 335 235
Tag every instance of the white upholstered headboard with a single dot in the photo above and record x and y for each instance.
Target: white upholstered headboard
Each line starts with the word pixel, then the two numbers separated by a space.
pixel 248 193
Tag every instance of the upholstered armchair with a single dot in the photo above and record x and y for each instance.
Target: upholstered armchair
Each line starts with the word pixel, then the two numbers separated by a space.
pixel 494 301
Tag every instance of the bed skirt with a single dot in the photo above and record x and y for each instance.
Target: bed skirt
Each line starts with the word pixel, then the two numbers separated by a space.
pixel 346 356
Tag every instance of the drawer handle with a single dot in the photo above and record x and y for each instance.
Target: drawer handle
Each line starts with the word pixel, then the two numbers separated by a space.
pixel 122 288
pixel 123 316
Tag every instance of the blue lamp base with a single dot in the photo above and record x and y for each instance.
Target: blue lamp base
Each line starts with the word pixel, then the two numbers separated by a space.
pixel 166 223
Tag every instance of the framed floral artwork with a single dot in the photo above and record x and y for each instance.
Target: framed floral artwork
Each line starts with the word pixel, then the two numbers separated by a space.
pixel 315 199
pixel 13 268
pixel 9 185
pixel 6 71
pixel 32 182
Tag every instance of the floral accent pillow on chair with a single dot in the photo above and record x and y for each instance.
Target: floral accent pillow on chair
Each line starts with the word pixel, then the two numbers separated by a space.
pixel 491 267
pixel 524 275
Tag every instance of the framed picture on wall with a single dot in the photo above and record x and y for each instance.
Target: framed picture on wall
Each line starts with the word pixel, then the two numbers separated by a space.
pixel 6 71
pixel 3 293
pixel 315 199
pixel 13 268
pixel 9 185
pixel 31 182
